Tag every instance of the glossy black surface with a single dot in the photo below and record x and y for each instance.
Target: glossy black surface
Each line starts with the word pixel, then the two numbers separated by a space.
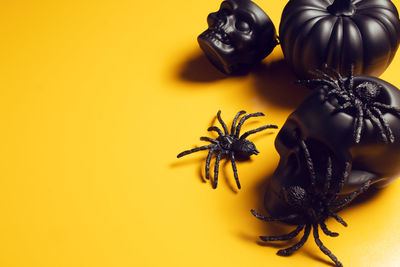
pixel 239 35
pixel 329 133
pixel 365 33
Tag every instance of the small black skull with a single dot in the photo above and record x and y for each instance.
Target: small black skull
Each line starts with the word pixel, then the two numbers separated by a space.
pixel 239 34
pixel 327 132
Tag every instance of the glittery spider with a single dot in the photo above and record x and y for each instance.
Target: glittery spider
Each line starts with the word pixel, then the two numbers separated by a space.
pixel 229 145
pixel 362 101
pixel 312 206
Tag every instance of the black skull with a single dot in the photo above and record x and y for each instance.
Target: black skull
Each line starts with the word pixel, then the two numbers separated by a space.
pixel 328 133
pixel 240 34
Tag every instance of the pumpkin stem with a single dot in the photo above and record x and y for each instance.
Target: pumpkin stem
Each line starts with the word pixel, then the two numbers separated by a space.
pixel 341 8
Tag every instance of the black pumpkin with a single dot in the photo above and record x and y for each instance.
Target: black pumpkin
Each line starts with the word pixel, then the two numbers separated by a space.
pixel 340 33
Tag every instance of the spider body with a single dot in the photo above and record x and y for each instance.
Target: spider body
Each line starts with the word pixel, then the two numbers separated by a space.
pixel 312 205
pixel 240 147
pixel 363 101
pixel 229 144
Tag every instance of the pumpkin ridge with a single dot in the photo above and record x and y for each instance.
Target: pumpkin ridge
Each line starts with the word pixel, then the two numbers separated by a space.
pixel 286 21
pixel 300 38
pixel 384 4
pixel 358 65
pixel 305 3
pixel 300 25
pixel 342 53
pixel 382 16
pixel 326 52
pixel 335 41
pixel 288 15
pixel 393 45
pixel 367 59
pixel 375 7
pixel 342 66
pixel 394 21
pixel 363 44
pixel 313 34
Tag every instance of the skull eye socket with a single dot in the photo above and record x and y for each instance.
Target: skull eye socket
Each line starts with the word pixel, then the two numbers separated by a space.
pixel 292 163
pixel 297 133
pixel 243 26
pixel 289 136
pixel 224 12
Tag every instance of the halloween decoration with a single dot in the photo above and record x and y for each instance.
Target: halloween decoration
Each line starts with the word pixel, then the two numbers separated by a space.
pixel 362 102
pixel 239 35
pixel 329 126
pixel 312 204
pixel 365 33
pixel 229 145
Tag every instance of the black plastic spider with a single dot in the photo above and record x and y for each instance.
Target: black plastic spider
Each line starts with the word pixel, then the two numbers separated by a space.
pixel 361 101
pixel 229 145
pixel 313 205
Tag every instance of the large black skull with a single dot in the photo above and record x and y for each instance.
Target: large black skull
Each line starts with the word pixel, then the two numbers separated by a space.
pixel 326 132
pixel 239 34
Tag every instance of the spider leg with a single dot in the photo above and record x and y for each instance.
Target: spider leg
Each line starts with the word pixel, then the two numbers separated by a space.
pixel 378 124
pixel 329 93
pixel 388 108
pixel 343 107
pixel 336 90
pixel 205 138
pixel 327 231
pixel 348 199
pixel 384 123
pixel 208 160
pixel 324 249
pixel 345 96
pixel 235 120
pixel 216 129
pixel 328 178
pixel 216 170
pixel 338 93
pixel 359 123
pixel 289 251
pixel 243 119
pixel 338 76
pixel 350 79
pixel 288 236
pixel 309 162
pixel 340 184
pixel 222 122
pixel 320 81
pixel 338 218
pixel 186 152
pixel 273 219
pixel 246 134
pixel 319 72
pixel 235 170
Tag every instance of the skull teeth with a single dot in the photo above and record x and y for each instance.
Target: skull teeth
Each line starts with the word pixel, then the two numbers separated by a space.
pixel 218 35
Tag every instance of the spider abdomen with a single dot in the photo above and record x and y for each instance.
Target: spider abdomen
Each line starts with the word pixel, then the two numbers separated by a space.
pixel 244 148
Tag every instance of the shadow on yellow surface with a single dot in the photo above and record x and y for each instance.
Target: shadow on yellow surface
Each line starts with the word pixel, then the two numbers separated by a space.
pixel 197 68
pixel 274 82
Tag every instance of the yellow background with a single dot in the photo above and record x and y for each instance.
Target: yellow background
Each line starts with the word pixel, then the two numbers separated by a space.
pixel 96 100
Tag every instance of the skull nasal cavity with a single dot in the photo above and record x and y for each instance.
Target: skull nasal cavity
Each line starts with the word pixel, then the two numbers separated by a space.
pixel 319 153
